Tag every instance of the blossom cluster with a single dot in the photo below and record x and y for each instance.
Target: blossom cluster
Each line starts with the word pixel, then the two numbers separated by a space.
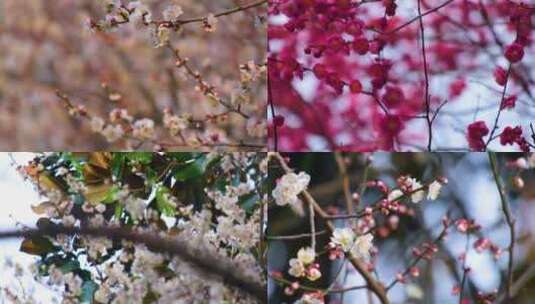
pixel 373 75
pixel 345 226
pixel 142 75
pixel 212 202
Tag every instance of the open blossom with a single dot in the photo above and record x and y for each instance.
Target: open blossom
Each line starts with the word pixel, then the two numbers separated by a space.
pixel 144 128
pixel 434 190
pixel 302 265
pixel 175 124
pixel 313 274
pixel 310 298
pixel 172 12
pixel 343 237
pixel 419 195
pixel 113 132
pixel 362 246
pixel 135 206
pixel 289 187
pixel 395 195
pixel 297 268
pixel 306 255
pixel 358 246
pixel 97 124
pixel 476 131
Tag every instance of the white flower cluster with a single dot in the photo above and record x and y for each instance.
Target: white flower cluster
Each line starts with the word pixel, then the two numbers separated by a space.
pixel 172 12
pixel 234 228
pixel 289 187
pixel 417 191
pixel 144 129
pixel 303 266
pixel 175 124
pixel 223 228
pixel 348 241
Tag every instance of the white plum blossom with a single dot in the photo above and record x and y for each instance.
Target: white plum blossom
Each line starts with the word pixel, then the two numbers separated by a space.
pixel 135 206
pixel 297 269
pixel 120 115
pixel 362 246
pixel 313 274
pixel 419 195
pixel 144 129
pixel 113 132
pixel 344 237
pixel 97 124
pixel 395 195
pixel 172 12
pixel 288 188
pixel 175 124
pixel 306 255
pixel 358 246
pixel 309 299
pixel 434 190
pixel 301 266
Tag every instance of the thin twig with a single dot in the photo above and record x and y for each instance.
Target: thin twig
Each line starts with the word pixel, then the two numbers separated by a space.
pixel 465 270
pixel 294 236
pixel 312 226
pixel 345 181
pixel 420 16
pixel 426 74
pixel 500 108
pixel 510 220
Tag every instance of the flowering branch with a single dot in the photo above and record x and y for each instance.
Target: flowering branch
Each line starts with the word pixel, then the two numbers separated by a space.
pixel 500 109
pixel 198 257
pixel 429 249
pixel 237 9
pixel 375 286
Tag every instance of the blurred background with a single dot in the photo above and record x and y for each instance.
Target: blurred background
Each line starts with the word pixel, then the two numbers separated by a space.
pixel 49 45
pixel 471 193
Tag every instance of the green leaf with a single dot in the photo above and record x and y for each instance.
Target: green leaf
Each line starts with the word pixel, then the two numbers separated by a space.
pixel 143 158
pixel 248 202
pixel 163 203
pixel 88 291
pixel 195 169
pixel 37 245
pixel 70 266
pixel 181 156
pixel 75 162
pixel 151 175
pixel 118 210
pixel 104 193
pixel 117 164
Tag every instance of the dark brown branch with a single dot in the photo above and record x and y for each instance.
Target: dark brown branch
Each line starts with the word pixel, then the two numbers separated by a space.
pixel 426 74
